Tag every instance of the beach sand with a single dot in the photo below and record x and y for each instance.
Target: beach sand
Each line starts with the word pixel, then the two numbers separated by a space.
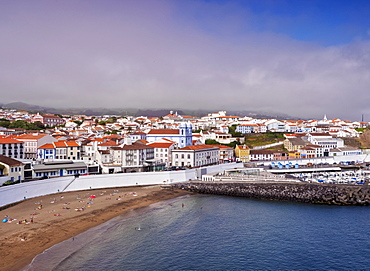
pixel 54 218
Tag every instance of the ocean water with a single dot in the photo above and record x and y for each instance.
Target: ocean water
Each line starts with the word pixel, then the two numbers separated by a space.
pixel 220 233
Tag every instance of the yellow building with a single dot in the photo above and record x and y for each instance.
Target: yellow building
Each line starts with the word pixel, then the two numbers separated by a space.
pixel 242 153
pixel 294 155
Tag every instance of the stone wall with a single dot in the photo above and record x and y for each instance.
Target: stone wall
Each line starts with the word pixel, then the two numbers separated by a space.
pixel 294 192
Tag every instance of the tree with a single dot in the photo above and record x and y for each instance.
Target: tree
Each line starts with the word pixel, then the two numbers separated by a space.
pixel 4 123
pixel 39 125
pixel 233 144
pixel 232 131
pixel 212 142
pixel 112 120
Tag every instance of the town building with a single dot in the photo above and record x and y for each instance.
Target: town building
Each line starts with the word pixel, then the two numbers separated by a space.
pixel 195 156
pixel 11 148
pixel 10 170
pixel 261 155
pixel 49 120
pixel 163 152
pixel 70 150
pixel 226 154
pixel 51 169
pixel 32 142
pixel 242 153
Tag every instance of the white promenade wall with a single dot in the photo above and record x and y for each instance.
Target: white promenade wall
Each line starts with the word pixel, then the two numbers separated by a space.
pixel 17 192
pixel 130 179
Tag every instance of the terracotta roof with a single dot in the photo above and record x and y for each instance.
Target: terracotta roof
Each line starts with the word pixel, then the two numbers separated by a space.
pixel 164 132
pixel 136 146
pixel 142 141
pixel 116 148
pixel 160 145
pixel 109 143
pixel 198 147
pixel 221 146
pixel 9 161
pixel 60 144
pixel 72 144
pixel 47 146
pixel 28 136
pixel 9 140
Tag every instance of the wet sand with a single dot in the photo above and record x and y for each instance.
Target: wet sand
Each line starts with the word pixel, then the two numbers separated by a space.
pixel 48 220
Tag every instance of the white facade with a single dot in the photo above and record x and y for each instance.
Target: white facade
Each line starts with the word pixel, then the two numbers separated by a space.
pixel 195 156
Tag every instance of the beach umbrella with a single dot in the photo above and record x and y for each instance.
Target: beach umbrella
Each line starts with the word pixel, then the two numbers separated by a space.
pixel 92 197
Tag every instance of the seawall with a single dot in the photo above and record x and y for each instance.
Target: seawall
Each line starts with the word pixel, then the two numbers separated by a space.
pixel 293 192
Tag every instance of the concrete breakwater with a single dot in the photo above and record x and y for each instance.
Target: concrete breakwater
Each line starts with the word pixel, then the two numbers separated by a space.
pixel 294 192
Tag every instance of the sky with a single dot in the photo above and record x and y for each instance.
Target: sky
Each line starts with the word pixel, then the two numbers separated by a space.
pixel 303 58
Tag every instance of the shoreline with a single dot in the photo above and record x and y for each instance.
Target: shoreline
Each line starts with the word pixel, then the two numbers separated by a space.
pixel 65 215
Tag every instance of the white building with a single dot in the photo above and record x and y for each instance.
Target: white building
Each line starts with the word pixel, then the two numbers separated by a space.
pixel 163 151
pixel 12 148
pixel 325 141
pixel 10 170
pixel 195 156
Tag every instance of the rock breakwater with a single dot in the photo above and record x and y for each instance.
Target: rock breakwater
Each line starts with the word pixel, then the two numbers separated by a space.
pixel 294 192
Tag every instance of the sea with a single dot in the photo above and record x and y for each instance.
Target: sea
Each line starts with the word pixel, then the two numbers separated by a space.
pixel 207 232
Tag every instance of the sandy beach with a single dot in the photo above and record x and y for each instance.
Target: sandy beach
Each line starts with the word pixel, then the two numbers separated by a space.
pixel 39 223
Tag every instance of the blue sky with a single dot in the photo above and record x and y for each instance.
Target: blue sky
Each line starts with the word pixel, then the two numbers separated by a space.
pixel 325 22
pixel 302 58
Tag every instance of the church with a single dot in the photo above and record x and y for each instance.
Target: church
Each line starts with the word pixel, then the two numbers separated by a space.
pixel 182 136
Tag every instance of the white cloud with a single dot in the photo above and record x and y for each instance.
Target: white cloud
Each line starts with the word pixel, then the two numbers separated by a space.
pixel 137 55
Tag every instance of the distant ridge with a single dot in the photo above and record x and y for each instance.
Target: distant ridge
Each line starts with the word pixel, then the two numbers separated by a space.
pixel 26 107
pixel 138 112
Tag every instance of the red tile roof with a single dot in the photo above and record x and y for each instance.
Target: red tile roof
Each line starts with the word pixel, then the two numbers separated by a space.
pixel 108 143
pixel 198 147
pixel 72 144
pixel 10 161
pixel 164 132
pixel 28 136
pixel 160 145
pixel 47 146
pixel 9 140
